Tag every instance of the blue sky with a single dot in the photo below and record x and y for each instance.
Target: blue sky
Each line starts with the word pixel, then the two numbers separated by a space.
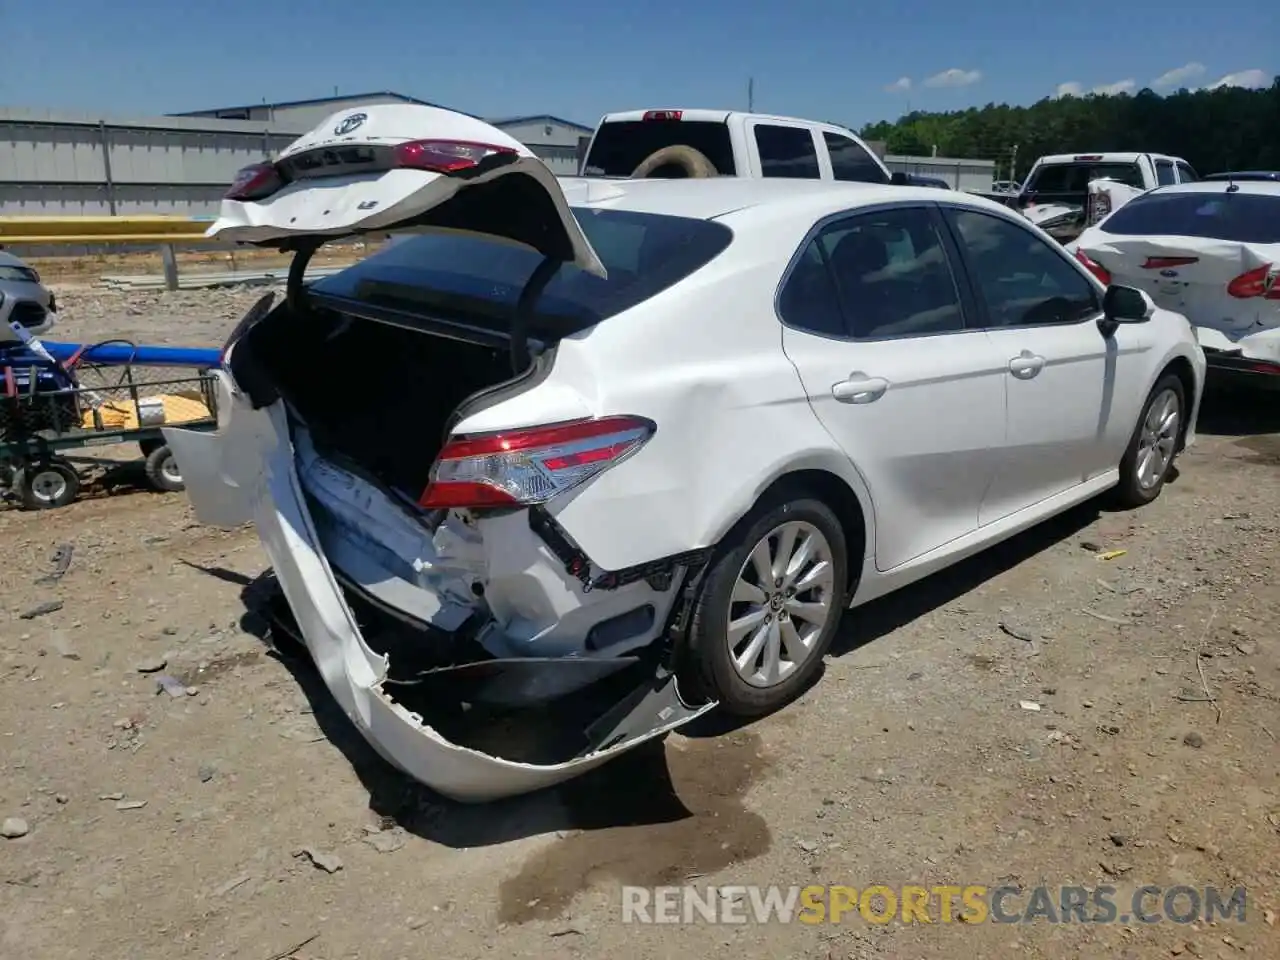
pixel 824 60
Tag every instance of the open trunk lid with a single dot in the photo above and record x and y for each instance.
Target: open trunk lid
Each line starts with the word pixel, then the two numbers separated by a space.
pixel 401 167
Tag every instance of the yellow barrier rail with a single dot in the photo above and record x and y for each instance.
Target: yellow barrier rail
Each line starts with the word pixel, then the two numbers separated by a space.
pixel 96 230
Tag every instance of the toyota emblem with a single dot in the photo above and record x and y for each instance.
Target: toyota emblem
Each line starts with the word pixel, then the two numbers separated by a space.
pixel 350 123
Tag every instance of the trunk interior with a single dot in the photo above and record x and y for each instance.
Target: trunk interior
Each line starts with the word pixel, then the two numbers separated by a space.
pixel 377 395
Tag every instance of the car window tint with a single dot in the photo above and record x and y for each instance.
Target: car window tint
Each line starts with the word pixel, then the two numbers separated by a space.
pixel 1022 279
pixel 1164 173
pixel 787 152
pixel 892 272
pixel 850 162
pixel 1240 217
pixel 1186 173
pixel 809 300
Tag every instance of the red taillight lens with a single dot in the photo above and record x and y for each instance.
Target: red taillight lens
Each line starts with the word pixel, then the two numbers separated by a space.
pixel 663 114
pixel 1097 269
pixel 1166 263
pixel 1260 282
pixel 530 466
pixel 445 156
pixel 255 182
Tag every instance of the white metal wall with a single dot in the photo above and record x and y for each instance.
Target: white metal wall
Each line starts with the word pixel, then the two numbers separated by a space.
pixel 57 164
pixel 959 173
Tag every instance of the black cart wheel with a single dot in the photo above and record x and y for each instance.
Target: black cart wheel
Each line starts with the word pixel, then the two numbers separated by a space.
pixel 47 484
pixel 162 470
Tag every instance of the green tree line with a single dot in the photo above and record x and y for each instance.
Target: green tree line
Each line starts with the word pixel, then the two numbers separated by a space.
pixel 1225 129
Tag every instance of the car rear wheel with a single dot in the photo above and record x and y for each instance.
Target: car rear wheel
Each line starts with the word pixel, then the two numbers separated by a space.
pixel 769 608
pixel 1154 444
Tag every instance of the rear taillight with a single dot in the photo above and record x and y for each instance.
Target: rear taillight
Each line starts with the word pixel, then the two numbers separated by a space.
pixel 519 468
pixel 1097 269
pixel 255 182
pixel 1260 282
pixel 445 156
pixel 663 114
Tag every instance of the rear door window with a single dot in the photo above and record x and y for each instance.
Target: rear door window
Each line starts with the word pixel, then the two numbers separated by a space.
pixel 787 152
pixel 1241 217
pixel 892 278
pixel 1185 172
pixel 1164 173
pixel 478 279
pixel 849 161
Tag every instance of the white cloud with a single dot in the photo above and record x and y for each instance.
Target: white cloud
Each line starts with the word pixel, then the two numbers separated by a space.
pixel 1178 77
pixel 1112 89
pixel 1072 88
pixel 955 77
pixel 1249 79
pixel 901 85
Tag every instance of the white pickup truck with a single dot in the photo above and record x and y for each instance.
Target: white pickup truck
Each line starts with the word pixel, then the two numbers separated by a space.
pixel 725 143
pixel 1064 193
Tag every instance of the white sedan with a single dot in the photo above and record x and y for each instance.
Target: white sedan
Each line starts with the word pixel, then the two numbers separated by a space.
pixel 1209 250
pixel 583 459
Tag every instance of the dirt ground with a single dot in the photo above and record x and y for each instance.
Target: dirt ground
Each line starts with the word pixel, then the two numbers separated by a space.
pixel 160 825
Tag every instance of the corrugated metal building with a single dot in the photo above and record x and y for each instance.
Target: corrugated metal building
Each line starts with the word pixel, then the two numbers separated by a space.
pixel 65 164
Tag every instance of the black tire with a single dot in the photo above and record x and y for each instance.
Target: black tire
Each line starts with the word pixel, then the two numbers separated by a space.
pixel 162 470
pixel 149 445
pixel 47 485
pixel 707 664
pixel 1130 491
pixel 673 162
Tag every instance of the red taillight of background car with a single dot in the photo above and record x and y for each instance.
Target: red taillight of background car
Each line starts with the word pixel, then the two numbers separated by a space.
pixel 1260 282
pixel 255 182
pixel 1097 269
pixel 445 156
pixel 520 468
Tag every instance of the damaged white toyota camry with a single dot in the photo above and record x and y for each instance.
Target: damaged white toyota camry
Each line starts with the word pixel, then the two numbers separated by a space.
pixel 577 461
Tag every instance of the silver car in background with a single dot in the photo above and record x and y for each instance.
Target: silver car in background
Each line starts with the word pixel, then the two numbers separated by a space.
pixel 23 298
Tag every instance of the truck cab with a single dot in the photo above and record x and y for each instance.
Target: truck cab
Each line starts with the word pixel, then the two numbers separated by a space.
pixel 1064 178
pixel 725 143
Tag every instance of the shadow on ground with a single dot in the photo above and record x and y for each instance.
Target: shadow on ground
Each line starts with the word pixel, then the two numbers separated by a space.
pixel 648 817
pixel 1228 411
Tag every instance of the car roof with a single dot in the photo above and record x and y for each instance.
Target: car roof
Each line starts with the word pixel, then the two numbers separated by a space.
pixel 718 197
pixel 9 260
pixel 1106 157
pixel 1263 187
pixel 1244 175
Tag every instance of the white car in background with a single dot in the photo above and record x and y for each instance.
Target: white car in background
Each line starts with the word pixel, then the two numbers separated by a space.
pixel 583 459
pixel 1209 250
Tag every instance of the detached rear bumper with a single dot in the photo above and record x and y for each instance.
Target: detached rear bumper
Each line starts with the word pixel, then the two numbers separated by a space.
pixel 246 472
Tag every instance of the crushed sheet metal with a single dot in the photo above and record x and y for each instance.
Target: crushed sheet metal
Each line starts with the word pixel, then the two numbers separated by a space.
pixel 249 464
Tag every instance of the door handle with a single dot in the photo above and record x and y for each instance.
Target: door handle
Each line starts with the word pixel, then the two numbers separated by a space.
pixel 859 388
pixel 1026 365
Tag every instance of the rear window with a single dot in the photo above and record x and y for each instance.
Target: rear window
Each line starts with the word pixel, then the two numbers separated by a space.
pixel 621 146
pixel 1242 217
pixel 479 279
pixel 1075 177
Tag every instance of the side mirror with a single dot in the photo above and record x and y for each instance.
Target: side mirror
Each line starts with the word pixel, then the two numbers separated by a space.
pixel 1122 304
pixel 899 179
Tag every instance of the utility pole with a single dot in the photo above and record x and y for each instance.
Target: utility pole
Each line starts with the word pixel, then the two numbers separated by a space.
pixel 751 94
pixel 1013 164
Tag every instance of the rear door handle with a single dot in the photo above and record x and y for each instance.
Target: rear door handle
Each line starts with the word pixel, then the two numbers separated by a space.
pixel 1026 365
pixel 859 388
